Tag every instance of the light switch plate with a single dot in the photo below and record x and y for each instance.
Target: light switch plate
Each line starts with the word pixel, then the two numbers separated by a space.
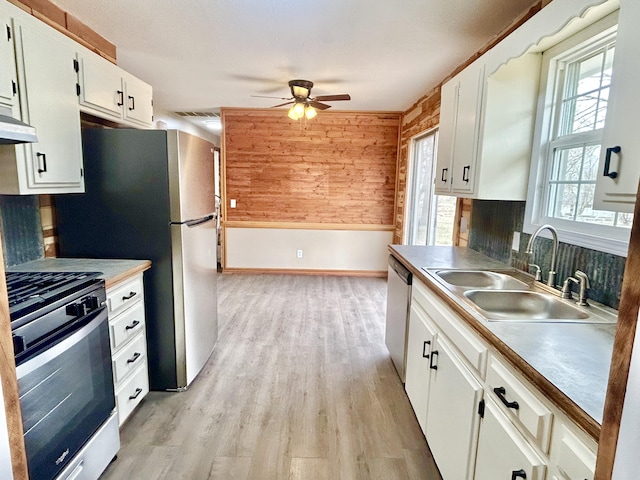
pixel 232 203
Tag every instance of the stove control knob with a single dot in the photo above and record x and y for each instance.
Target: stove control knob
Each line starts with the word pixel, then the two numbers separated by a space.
pixel 76 310
pixel 91 303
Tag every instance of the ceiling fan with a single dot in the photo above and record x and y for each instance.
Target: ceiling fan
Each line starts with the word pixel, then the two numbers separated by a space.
pixel 303 103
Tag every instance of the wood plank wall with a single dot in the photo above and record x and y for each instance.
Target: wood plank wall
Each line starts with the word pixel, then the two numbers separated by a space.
pixel 338 168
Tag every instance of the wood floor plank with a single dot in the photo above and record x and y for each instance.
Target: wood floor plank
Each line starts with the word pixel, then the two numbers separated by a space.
pixel 299 386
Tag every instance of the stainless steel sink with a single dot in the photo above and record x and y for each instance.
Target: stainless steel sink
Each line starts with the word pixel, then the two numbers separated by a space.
pixel 527 306
pixel 481 279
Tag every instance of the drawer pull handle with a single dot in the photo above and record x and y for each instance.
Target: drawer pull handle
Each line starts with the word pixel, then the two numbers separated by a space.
pixel 500 392
pixel 607 162
pixel 465 173
pixel 518 474
pixel 443 178
pixel 136 395
pixel 120 97
pixel 134 358
pixel 424 348
pixel 133 325
pixel 433 355
pixel 130 296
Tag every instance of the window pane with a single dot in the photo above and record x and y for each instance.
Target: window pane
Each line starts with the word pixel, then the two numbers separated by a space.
pixel 563 205
pixel 445 214
pixel 422 180
pixel 567 164
pixel 591 160
pixel 589 74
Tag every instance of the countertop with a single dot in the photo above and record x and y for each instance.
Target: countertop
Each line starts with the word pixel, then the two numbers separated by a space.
pixel 568 362
pixel 113 270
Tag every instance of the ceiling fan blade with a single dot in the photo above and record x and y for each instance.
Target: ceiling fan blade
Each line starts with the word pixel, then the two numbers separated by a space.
pixel 333 98
pixel 283 104
pixel 268 96
pixel 318 105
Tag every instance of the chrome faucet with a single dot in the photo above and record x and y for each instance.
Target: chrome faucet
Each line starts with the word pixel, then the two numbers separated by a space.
pixel 584 286
pixel 551 280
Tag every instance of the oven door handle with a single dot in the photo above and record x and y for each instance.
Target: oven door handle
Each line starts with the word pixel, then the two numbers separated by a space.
pixel 49 349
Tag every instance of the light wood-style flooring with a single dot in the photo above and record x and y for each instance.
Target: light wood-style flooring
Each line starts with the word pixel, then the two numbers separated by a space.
pixel 300 386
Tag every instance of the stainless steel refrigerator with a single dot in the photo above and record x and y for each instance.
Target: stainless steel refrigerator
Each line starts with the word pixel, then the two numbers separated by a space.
pixel 150 195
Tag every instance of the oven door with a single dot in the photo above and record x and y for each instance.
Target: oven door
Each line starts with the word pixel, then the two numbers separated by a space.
pixel 66 393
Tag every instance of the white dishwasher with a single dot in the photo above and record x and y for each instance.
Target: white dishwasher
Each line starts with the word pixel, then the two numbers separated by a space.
pixel 398 304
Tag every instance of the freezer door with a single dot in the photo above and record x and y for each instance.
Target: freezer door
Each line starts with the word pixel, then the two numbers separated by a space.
pixel 191 176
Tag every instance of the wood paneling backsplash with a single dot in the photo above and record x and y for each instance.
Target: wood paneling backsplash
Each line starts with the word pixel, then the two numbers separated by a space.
pixel 339 167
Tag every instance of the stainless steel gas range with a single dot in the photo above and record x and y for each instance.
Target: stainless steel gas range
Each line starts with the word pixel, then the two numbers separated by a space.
pixel 63 364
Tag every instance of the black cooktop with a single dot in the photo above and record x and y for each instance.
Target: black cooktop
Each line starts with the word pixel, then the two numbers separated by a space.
pixel 29 291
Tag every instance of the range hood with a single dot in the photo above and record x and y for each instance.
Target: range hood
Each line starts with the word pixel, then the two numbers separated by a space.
pixel 14 131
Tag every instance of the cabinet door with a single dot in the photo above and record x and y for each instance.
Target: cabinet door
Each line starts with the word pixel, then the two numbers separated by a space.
pixel 452 413
pixel 8 62
pixel 419 345
pixel 100 85
pixel 48 101
pixel 138 101
pixel 466 136
pixel 502 452
pixel 620 141
pixel 446 137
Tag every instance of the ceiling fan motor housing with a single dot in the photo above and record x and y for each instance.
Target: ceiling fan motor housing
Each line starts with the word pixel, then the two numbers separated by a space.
pixel 300 89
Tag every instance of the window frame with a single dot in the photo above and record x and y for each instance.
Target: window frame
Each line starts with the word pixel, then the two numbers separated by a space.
pixel 596 237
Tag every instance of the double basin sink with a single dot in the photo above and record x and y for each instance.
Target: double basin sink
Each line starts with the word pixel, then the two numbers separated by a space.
pixel 502 296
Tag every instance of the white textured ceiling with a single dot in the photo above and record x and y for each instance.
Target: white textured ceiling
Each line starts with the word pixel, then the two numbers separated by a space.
pixel 206 54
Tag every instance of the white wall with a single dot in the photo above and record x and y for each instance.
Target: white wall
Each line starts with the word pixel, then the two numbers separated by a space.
pixel 171 121
pixel 627 461
pixel 344 250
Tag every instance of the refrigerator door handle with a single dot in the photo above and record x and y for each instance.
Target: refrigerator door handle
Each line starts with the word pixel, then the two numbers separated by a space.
pixel 193 222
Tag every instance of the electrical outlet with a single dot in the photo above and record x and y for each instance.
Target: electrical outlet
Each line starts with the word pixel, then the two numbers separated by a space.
pixel 299 254
pixel 515 245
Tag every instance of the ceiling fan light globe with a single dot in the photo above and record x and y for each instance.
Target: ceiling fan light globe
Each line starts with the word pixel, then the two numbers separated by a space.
pixel 310 112
pixel 292 114
pixel 298 110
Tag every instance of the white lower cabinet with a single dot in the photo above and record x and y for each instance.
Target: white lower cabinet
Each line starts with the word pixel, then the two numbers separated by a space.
pixel 482 418
pixel 452 413
pixel 125 302
pixel 503 453
pixel 419 345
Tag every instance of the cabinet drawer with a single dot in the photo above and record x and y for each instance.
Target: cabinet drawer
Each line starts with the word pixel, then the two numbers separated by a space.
pixel 126 326
pixel 525 409
pixel 575 459
pixel 129 358
pixel 119 298
pixel 131 393
pixel 462 336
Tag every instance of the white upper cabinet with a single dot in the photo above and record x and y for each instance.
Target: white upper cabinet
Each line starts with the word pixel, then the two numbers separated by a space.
pixel 487 125
pixel 619 169
pixel 105 90
pixel 8 85
pixel 138 107
pixel 47 97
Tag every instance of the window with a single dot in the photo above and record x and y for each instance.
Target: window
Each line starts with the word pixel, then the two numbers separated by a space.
pixel 429 217
pixel 575 85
